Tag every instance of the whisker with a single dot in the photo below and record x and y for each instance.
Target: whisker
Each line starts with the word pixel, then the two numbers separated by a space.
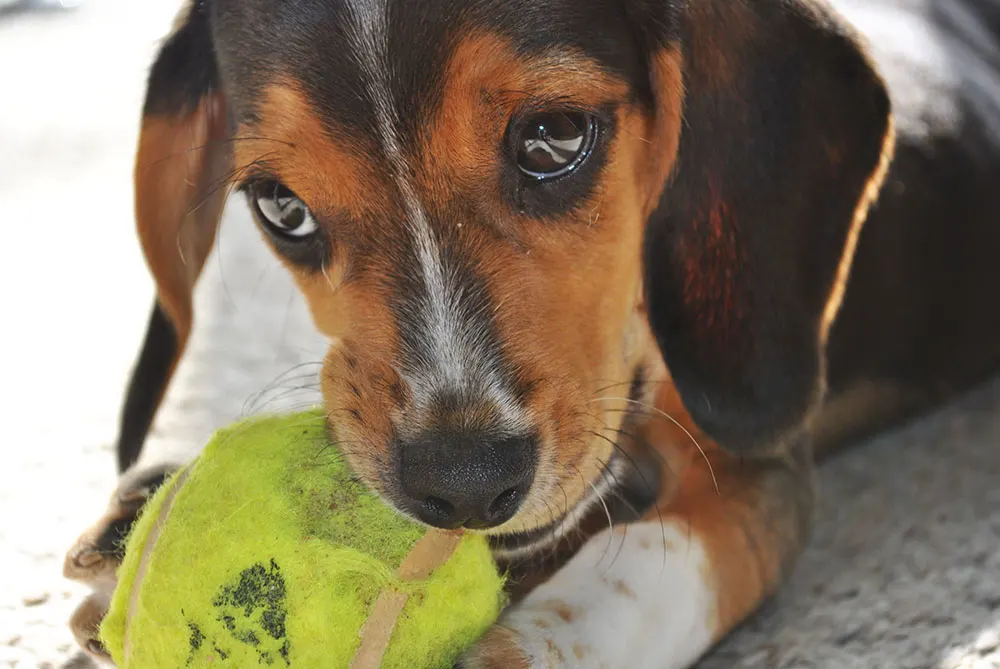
pixel 659 412
pixel 660 457
pixel 281 380
pixel 619 384
pixel 637 136
pixel 251 404
pixel 288 393
pixel 227 181
pixel 621 497
pixel 595 215
pixel 621 546
pixel 230 179
pixel 607 511
pixel 212 143
pixel 625 454
pixel 566 509
pixel 552 546
pixel 326 275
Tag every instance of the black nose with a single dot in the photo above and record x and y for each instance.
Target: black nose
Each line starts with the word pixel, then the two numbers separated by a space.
pixel 455 480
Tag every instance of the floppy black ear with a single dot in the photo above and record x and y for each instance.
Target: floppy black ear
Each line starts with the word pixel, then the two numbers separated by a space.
pixel 786 136
pixel 182 165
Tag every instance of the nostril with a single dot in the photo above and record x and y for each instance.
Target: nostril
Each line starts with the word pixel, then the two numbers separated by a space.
pixel 504 501
pixel 437 512
pixel 505 506
pixel 441 508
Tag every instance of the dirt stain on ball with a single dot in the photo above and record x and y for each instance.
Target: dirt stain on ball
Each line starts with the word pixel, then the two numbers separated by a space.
pixel 251 611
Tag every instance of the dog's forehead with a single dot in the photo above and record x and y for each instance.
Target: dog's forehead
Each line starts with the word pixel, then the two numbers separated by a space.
pixel 335 48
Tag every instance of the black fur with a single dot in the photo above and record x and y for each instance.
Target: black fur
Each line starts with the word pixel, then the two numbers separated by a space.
pixel 919 321
pixel 184 70
pixel 788 145
pixel 146 387
pixel 921 318
pixel 742 254
pixel 182 74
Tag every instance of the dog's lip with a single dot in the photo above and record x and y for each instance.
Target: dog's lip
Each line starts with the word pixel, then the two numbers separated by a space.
pixel 519 542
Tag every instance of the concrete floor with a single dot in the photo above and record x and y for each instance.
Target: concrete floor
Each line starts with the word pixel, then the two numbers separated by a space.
pixel 904 570
pixel 71 283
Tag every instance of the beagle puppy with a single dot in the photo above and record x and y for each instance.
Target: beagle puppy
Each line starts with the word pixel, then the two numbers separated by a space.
pixel 603 278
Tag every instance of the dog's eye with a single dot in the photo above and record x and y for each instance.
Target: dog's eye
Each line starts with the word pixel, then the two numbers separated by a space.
pixel 282 211
pixel 554 144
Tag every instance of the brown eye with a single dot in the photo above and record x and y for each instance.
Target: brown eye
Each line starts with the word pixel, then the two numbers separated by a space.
pixel 281 211
pixel 554 144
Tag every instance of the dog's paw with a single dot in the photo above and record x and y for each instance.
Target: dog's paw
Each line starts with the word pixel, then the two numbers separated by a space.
pixel 94 557
pixel 500 648
pixel 86 621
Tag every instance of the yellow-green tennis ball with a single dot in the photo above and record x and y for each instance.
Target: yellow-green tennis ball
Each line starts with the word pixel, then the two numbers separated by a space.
pixel 266 552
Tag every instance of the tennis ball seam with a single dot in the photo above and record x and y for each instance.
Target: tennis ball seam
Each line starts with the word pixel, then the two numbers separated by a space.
pixel 261 492
pixel 147 553
pixel 432 551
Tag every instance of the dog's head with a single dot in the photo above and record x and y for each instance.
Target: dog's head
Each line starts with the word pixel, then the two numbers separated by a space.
pixel 510 217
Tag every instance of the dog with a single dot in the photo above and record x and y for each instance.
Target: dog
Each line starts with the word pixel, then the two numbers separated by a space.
pixel 604 279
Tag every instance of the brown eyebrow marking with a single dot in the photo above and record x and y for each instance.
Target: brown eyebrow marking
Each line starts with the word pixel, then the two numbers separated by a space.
pixel 486 81
pixel 331 174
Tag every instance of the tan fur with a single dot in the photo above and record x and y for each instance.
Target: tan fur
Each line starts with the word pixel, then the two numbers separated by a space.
pixel 331 171
pixel 181 173
pixel 717 497
pixel 868 198
pixel 664 130
pixel 567 293
pixel 485 82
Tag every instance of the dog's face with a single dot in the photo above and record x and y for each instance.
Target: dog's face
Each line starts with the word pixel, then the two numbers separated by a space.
pixel 497 215
pixel 461 197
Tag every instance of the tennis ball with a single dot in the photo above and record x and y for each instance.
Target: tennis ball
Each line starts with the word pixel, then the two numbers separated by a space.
pixel 265 551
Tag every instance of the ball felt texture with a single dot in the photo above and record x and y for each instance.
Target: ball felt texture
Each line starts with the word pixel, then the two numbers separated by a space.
pixel 265 551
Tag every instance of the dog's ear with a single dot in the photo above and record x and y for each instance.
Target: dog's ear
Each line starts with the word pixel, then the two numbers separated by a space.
pixel 785 138
pixel 182 163
pixel 182 166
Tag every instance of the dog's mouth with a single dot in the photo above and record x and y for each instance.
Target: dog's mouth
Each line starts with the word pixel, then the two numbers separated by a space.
pixel 522 543
pixel 624 490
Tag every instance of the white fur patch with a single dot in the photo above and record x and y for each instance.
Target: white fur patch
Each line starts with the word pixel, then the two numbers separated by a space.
pixel 635 599
pixel 458 361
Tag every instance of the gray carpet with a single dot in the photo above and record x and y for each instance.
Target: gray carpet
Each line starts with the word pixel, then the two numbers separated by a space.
pixel 904 569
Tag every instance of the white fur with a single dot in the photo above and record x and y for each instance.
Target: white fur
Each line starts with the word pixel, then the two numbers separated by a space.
pixel 254 347
pixel 638 599
pixel 459 362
